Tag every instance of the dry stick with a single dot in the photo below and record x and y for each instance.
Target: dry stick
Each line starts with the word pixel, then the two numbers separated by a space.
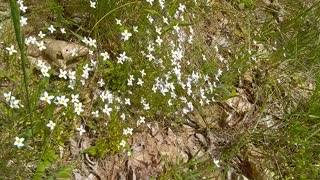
pixel 15 14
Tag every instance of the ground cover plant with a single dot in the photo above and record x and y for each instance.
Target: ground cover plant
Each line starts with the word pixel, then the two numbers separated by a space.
pixel 158 89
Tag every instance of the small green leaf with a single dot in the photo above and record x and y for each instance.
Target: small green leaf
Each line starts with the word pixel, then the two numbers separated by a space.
pixel 91 151
pixel 64 172
pixel 50 156
pixel 42 166
pixel 152 11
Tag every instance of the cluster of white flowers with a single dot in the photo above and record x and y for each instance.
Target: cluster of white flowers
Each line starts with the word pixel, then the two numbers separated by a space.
pixel 23 9
pixel 165 51
pixel 72 76
pixel 122 58
pixel 13 102
pixel 188 82
pixel 62 100
pixel 141 121
pixel 85 73
pixel 107 95
pixel 162 3
pixel 78 106
pixel 88 41
pixel 179 12
pixel 127 131
pixel 164 86
pixel 43 68
pixel 31 40
pixel 146 105
pixel 130 80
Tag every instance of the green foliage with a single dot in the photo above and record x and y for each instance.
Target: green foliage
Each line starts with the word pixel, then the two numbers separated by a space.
pixel 244 4
pixel 63 172
pixel 107 143
pixel 195 168
pixel 49 157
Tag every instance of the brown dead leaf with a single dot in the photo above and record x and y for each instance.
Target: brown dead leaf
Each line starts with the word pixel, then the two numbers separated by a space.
pixel 197 118
pixel 240 102
pixel 173 154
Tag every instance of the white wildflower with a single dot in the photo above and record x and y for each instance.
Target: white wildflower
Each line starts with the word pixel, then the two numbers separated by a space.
pixel 127 101
pixel 72 75
pixel 123 116
pixel 14 103
pixel 101 83
pixel 52 29
pixel 81 130
pixel 141 121
pixel 123 143
pixel 159 40
pixel 106 109
pixel 135 29
pixel 41 45
pixel 93 4
pixel 23 21
pixel 51 125
pixel 127 131
pixel 11 50
pixel 140 82
pixel 63 30
pixel 46 97
pixel 19 142
pixel 63 74
pixel 41 35
pixel 92 42
pixel 44 70
pixel 95 113
pixel 22 7
pixel 78 108
pixel 105 55
pixel 150 1
pixel 62 100
pixel 75 98
pixel 126 35
pixel 74 52
pixel 118 21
